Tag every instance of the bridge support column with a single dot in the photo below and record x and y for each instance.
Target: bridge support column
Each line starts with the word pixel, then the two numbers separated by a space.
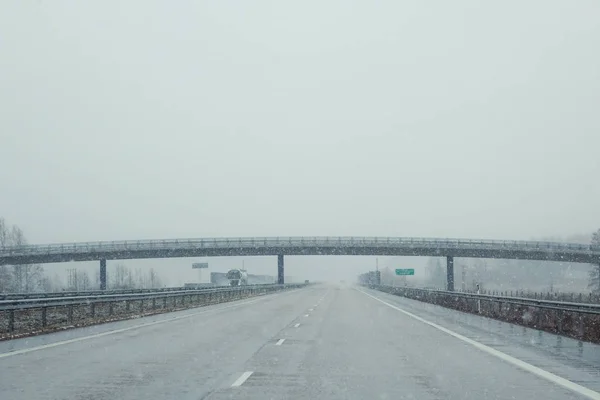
pixel 103 274
pixel 280 279
pixel 450 273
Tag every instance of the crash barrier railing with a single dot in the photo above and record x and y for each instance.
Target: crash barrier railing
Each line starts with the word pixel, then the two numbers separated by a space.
pixel 569 297
pixel 577 320
pixel 73 293
pixel 42 314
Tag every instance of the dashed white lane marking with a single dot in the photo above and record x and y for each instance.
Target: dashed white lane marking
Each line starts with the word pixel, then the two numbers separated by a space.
pixel 240 381
pixel 297 325
pixel 279 342
pixel 549 376
pixel 163 321
pixel 306 315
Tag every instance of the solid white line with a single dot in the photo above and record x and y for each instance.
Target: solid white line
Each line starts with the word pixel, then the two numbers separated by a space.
pixel 240 381
pixel 297 325
pixel 97 335
pixel 549 376
pixel 279 342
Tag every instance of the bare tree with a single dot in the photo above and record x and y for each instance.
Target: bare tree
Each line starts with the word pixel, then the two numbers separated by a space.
pixel 130 281
pixel 97 279
pixel 119 275
pixel 19 278
pixel 594 282
pixel 83 281
pixel 6 279
pixel 139 279
pixel 4 231
pixel 153 278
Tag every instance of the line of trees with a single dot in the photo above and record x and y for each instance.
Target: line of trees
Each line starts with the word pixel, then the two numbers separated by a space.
pixel 32 278
pixel 123 277
pixel 514 274
pixel 119 277
pixel 19 278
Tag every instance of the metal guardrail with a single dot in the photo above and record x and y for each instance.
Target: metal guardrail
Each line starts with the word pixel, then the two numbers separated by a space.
pixel 28 316
pixel 568 297
pixel 523 301
pixel 233 245
pixel 577 320
pixel 47 295
pixel 102 297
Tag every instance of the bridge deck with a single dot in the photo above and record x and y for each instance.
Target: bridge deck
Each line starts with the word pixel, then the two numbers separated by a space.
pixel 207 247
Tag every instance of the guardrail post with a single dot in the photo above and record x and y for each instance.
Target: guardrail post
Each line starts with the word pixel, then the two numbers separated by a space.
pixel 110 308
pixel 141 306
pixel 127 305
pixel 450 273
pixel 44 319
pixel 70 313
pixel 11 320
pixel 103 274
pixel 92 310
pixel 164 302
pixel 154 303
pixel 581 326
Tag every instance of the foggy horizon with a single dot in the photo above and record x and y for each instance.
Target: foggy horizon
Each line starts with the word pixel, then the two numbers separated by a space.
pixel 159 120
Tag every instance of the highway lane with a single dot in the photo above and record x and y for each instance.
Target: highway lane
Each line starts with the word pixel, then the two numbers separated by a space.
pixel 181 358
pixel 317 342
pixel 570 358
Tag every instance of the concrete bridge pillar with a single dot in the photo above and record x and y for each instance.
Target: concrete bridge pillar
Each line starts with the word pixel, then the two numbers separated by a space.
pixel 103 274
pixel 450 273
pixel 280 279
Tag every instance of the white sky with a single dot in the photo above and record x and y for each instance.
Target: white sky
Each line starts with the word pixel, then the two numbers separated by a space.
pixel 159 119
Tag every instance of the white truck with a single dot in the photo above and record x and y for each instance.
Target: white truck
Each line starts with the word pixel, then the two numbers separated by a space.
pixel 237 277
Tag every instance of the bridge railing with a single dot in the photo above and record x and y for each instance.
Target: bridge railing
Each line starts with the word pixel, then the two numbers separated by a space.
pixel 283 242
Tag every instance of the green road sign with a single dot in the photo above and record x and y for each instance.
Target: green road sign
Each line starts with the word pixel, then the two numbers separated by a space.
pixel 409 271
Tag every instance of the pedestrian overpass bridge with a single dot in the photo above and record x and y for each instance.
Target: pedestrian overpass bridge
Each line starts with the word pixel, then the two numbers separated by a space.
pixel 282 246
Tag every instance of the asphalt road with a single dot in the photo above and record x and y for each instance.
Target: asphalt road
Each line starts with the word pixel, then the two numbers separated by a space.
pixel 317 342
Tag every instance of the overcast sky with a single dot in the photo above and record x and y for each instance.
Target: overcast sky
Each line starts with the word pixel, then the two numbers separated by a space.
pixel 165 119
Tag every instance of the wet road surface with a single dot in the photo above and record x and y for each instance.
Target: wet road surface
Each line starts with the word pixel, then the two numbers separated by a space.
pixel 317 342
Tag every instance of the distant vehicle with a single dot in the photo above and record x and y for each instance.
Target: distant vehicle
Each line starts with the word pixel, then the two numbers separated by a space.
pixel 237 277
pixel 306 281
